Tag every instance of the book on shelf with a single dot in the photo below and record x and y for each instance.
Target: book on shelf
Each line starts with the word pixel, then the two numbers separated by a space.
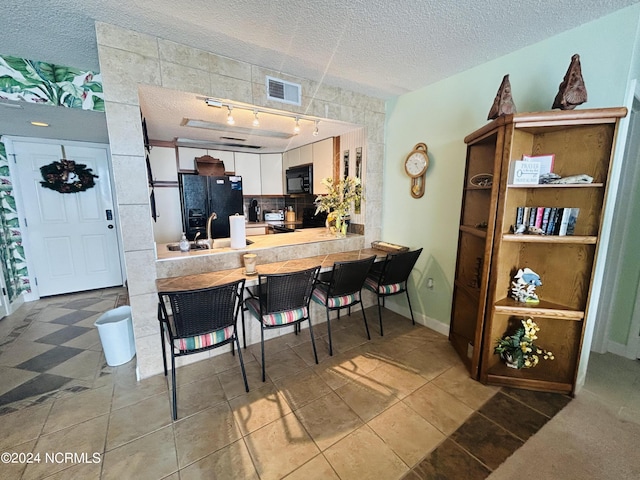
pixel 539 216
pixel 564 221
pixel 532 216
pixel 520 216
pixel 552 221
pixel 545 219
pixel 573 218
pixel 524 173
pixel 546 162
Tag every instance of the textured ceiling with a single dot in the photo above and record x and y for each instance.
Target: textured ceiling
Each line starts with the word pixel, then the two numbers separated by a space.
pixel 376 47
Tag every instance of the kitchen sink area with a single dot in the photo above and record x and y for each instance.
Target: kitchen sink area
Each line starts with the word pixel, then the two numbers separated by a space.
pixel 217 243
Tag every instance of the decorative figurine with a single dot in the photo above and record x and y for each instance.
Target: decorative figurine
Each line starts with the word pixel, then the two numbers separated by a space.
pixel 523 286
pixel 572 91
pixel 503 103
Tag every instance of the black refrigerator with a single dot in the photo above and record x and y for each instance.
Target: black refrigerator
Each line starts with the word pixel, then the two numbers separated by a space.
pixel 202 195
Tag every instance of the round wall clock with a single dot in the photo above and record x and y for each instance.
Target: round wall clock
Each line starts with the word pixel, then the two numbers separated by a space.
pixel 416 165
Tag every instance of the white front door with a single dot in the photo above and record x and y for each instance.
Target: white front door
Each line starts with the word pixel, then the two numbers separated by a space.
pixel 72 237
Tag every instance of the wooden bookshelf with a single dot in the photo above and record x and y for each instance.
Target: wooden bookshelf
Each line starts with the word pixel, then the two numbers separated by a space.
pixel 488 258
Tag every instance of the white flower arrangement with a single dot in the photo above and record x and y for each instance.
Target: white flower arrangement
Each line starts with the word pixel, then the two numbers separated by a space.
pixel 519 349
pixel 340 195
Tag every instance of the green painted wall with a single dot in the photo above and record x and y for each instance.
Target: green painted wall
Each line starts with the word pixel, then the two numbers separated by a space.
pixel 442 114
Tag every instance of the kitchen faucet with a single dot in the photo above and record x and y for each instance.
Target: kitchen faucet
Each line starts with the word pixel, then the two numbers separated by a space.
pixel 209 240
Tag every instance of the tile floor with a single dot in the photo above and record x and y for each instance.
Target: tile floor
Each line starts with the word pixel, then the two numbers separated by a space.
pixel 398 406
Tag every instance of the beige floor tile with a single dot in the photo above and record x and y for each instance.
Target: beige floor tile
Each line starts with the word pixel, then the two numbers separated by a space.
pixel 89 322
pixel 284 363
pixel 13 377
pixel 232 462
pixel 83 366
pixel 81 471
pixel 193 372
pixel 439 408
pixel 78 408
pixel 302 388
pixel 103 306
pixel 315 469
pixel 129 392
pixel 85 341
pixel 15 467
pixel 151 456
pixel 22 425
pixel 424 363
pixel 328 419
pixel 52 313
pixel 138 419
pixel 259 407
pixel 272 346
pixel 87 437
pixel 305 350
pixel 409 435
pixel 280 447
pixel 348 338
pixel 399 380
pixel 363 455
pixel 366 397
pixel 458 383
pixel 233 383
pixel 38 330
pixel 196 396
pixel 20 351
pixel 204 433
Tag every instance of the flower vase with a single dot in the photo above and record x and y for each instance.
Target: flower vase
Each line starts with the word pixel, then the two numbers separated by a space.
pixel 509 360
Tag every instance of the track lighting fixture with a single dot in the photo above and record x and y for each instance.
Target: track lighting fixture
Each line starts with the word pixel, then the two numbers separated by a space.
pixel 256 122
pixel 296 129
pixel 230 119
pixel 315 130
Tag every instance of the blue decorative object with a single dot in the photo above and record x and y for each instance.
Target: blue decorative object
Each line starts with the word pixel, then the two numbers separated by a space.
pixel 523 286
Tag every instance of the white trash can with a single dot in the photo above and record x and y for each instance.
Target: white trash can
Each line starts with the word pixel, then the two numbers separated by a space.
pixel 116 335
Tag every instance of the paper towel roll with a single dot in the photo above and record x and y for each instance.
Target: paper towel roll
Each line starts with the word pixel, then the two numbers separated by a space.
pixel 238 231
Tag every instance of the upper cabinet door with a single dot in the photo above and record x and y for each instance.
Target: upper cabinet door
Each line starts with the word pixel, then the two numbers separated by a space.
pixel 163 164
pixel 187 158
pixel 306 154
pixel 322 164
pixel 271 174
pixel 228 158
pixel 248 167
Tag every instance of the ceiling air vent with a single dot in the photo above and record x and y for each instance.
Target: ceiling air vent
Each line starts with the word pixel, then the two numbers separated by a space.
pixel 283 91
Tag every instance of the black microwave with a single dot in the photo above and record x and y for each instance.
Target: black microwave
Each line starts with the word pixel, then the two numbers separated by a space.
pixel 300 179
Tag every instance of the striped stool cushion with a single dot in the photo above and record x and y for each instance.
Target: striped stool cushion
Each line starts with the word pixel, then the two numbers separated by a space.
pixel 202 341
pixel 372 284
pixel 320 296
pixel 279 318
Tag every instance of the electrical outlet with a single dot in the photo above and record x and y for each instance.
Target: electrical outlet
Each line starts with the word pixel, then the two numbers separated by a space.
pixel 430 283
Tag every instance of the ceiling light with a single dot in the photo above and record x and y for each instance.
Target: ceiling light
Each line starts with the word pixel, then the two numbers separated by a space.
pixel 315 130
pixel 296 129
pixel 256 122
pixel 212 102
pixel 230 119
pixel 39 124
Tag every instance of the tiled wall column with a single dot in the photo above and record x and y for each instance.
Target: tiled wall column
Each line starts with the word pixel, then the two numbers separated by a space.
pixel 129 59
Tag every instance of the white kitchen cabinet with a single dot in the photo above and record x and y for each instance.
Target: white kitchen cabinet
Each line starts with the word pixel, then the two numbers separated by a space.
pixel 168 225
pixel 248 167
pixel 291 158
pixel 187 158
pixel 163 164
pixel 306 154
pixel 322 164
pixel 271 174
pixel 228 158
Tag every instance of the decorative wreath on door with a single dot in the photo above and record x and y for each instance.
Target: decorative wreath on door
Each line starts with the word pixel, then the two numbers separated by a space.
pixel 67 176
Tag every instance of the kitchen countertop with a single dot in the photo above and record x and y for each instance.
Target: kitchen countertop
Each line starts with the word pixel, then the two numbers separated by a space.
pixel 271 248
pixel 210 279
